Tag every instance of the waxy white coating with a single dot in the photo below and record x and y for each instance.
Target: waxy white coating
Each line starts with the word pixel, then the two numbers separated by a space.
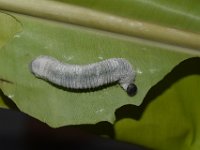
pixel 83 76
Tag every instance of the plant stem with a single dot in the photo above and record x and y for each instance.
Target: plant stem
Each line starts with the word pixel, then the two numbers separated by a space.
pixel 93 19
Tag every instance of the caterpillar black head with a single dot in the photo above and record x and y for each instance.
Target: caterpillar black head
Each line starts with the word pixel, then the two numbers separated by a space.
pixel 131 89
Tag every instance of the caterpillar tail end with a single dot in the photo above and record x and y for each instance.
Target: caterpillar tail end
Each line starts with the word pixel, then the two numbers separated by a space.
pixel 30 66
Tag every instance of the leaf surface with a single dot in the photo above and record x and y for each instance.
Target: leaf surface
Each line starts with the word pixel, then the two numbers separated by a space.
pixel 79 45
pixel 9 26
pixel 170 120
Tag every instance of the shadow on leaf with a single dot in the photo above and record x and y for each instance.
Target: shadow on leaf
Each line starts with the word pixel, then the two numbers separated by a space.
pixel 185 68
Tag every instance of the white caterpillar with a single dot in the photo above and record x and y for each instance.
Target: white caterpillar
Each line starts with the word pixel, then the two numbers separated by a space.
pixel 85 76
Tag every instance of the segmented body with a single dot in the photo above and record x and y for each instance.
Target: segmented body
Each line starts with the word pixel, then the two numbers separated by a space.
pixel 83 76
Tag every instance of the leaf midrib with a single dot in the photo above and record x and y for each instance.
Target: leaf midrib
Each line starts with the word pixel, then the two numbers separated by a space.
pixel 67 13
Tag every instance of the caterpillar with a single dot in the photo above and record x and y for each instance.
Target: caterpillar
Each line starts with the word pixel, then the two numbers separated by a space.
pixel 85 76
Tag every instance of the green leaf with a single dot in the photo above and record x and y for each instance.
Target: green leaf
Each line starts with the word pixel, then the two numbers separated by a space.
pixel 83 45
pixel 171 116
pixel 94 19
pixel 179 14
pixel 9 26
pixel 77 45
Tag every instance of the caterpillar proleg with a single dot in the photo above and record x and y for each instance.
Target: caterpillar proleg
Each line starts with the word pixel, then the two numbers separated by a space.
pixel 85 76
